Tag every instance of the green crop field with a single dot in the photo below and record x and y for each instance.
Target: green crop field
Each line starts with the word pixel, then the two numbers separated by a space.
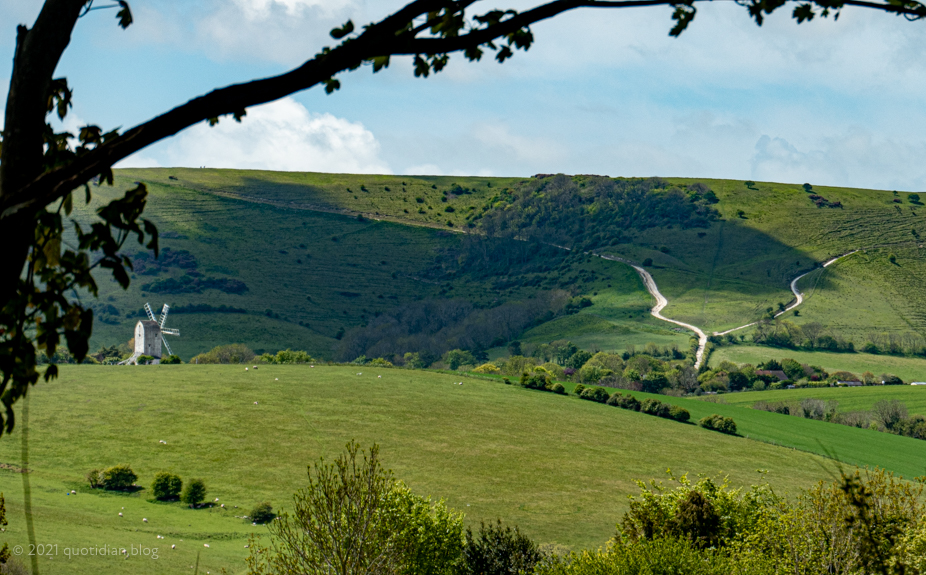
pixel 849 398
pixel 559 467
pixel 907 368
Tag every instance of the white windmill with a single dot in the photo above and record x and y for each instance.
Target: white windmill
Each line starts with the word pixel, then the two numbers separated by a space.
pixel 160 321
pixel 149 336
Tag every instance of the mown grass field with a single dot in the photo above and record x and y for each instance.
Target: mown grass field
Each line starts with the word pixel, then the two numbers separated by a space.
pixel 907 368
pixel 849 398
pixel 559 467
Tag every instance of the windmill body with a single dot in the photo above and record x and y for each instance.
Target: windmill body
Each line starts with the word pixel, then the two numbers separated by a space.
pixel 149 336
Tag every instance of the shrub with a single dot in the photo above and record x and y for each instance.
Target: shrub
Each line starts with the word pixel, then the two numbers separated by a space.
pixel 679 413
pixel 118 478
pixel 888 379
pixel 262 513
pixel 171 360
pixel 579 389
pixel 558 388
pixel 194 493
pixel 535 381
pixel 647 262
pixel 166 486
pixel 144 359
pixel 234 353
pixel 380 362
pixel 719 423
pixel 95 479
pixel 654 407
pixel 614 399
pixel 596 394
pixel 487 368
pixel 628 402
pixel 498 550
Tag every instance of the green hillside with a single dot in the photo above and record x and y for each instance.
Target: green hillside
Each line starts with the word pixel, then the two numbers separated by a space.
pixel 559 467
pixel 289 253
pixel 849 398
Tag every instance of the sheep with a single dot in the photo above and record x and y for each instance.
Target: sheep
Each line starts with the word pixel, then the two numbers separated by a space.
pixel 254 366
pixel 73 492
pixel 205 545
pixel 144 519
pixel 173 546
pixel 245 369
pixel 276 379
pixel 255 403
pixel 162 441
pixel 120 515
pixel 223 506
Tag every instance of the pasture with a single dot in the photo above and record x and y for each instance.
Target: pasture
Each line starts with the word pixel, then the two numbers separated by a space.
pixel 559 467
pixel 907 368
pixel 849 398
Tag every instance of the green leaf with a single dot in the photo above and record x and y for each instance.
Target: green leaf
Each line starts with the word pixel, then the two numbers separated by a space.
pixel 380 62
pixel 344 30
pixel 68 203
pixel 331 85
pixel 124 15
pixel 51 372
pixel 683 15
pixel 422 68
pixel 803 13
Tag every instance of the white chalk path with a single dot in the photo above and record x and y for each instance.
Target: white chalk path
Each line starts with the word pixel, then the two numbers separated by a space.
pixel 661 303
pixel 798 296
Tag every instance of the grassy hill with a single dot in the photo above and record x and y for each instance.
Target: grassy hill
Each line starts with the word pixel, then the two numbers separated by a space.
pixel 559 467
pixel 309 267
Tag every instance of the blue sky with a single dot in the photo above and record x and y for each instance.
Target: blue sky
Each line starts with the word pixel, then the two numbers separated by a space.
pixel 602 92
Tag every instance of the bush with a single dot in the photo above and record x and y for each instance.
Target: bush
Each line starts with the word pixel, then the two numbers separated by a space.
pixel 888 379
pixel 380 362
pixel 262 513
pixel 614 399
pixel 234 353
pixel 487 368
pixel 535 381
pixel 171 360
pixel 118 478
pixel 719 423
pixel 194 493
pixel 679 413
pixel 654 407
pixel 166 486
pixel 627 402
pixel 647 262
pixel 497 550
pixel 287 356
pixel 579 389
pixel 144 359
pixel 95 479
pixel 596 394
pixel 558 388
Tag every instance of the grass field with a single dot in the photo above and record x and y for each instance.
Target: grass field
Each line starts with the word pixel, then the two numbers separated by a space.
pixel 907 368
pixel 557 466
pixel 849 398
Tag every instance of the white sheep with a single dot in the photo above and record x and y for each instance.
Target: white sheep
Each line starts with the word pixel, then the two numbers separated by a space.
pixel 173 546
pixel 120 515
pixel 144 519
pixel 276 379
pixel 255 403
pixel 162 441
pixel 379 376
pixel 205 545
pixel 245 369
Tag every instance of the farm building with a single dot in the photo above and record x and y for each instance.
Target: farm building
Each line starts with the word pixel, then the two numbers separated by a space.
pixel 918 383
pixel 773 372
pixel 850 383
pixel 148 339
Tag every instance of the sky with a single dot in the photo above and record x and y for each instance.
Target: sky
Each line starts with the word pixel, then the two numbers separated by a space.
pixel 607 92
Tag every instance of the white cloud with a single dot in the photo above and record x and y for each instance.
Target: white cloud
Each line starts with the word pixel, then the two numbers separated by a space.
pixel 524 149
pixel 282 136
pixel 853 158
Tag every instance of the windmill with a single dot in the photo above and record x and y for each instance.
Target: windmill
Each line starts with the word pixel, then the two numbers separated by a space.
pixel 160 321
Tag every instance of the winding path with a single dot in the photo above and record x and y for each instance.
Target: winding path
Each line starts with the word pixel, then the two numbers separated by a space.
pixel 661 303
pixel 798 296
